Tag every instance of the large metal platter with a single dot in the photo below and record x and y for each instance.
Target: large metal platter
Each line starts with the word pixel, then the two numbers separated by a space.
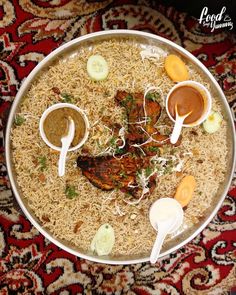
pixel 145 39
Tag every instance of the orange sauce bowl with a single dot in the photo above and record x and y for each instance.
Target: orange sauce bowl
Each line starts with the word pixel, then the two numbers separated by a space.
pixel 189 96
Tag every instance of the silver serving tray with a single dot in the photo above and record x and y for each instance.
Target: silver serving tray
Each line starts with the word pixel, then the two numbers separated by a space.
pixel 145 39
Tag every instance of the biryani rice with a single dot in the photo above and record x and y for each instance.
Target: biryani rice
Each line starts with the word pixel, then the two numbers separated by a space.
pixel 77 220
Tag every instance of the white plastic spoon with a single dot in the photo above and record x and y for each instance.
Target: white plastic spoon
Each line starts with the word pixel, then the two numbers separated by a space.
pixel 179 120
pixel 166 216
pixel 163 227
pixel 66 142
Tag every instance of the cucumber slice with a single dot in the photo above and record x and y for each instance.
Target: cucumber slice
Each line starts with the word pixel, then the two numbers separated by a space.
pixel 213 122
pixel 97 67
pixel 103 240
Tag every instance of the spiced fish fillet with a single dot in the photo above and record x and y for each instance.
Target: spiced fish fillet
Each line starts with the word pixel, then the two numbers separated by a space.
pixel 141 123
pixel 108 172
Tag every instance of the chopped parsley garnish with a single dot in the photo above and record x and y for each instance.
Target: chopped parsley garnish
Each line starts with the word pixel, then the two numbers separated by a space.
pixel 168 169
pixel 113 141
pixel 67 97
pixel 148 171
pixel 119 151
pixel 138 173
pixel 128 99
pixel 153 149
pixel 70 192
pixel 154 96
pixel 148 119
pixel 123 174
pixel 133 155
pixel 42 162
pixel 128 195
pixel 19 120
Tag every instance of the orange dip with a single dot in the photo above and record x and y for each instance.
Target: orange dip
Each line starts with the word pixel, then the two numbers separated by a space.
pixel 188 99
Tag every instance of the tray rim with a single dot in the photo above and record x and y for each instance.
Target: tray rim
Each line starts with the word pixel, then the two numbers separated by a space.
pixel 26 84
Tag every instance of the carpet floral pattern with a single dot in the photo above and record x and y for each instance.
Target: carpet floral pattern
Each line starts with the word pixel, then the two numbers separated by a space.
pixel 29 263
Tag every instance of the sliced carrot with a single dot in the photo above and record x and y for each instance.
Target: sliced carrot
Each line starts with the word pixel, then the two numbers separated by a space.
pixel 184 192
pixel 176 68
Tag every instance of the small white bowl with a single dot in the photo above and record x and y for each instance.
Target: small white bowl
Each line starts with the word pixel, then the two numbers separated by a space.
pixel 206 96
pixel 59 106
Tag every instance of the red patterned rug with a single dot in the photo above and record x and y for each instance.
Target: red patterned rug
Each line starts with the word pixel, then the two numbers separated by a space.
pixel 30 264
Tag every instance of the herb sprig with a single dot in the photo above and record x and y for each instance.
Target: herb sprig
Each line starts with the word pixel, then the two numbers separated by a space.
pixel 71 192
pixel 154 96
pixel 19 120
pixel 42 160
pixel 67 97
